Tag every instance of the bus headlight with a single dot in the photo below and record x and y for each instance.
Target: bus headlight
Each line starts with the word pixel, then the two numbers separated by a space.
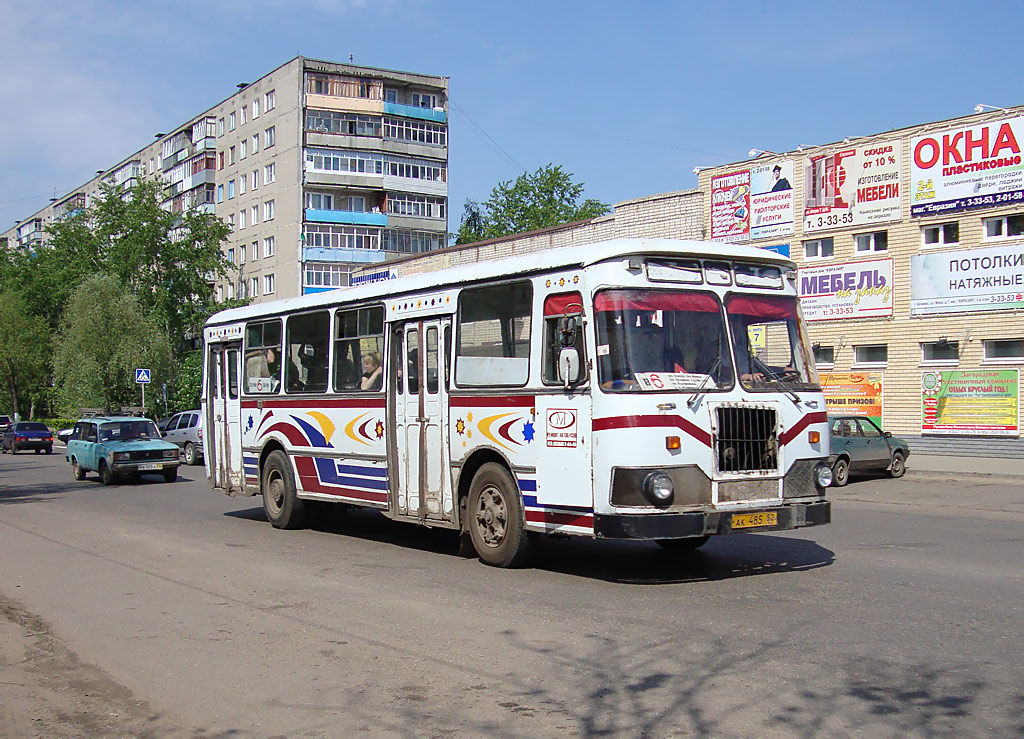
pixel 822 475
pixel 659 489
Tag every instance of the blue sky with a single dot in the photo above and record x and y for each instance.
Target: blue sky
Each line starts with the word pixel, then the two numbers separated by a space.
pixel 630 97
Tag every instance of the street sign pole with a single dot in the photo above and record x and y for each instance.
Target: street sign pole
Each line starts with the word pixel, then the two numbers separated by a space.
pixel 142 377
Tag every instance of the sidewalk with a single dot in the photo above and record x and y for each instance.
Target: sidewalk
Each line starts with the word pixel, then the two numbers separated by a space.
pixel 989 466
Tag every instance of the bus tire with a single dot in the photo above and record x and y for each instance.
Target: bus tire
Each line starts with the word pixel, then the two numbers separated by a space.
pixel 283 507
pixel 680 546
pixel 497 523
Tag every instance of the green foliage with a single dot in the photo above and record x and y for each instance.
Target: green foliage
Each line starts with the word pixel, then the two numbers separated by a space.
pixel 105 335
pixel 547 197
pixel 162 257
pixel 24 353
pixel 184 396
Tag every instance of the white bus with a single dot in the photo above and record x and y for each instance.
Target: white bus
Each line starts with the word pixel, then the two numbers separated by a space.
pixel 630 389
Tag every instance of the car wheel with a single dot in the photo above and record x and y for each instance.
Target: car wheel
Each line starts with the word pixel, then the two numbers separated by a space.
pixel 497 523
pixel 899 466
pixel 77 469
pixel 49 450
pixel 106 475
pixel 171 475
pixel 840 472
pixel 190 454
pixel 283 507
pixel 679 546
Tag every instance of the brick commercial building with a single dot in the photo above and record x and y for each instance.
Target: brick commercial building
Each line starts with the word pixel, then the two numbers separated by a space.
pixel 319 167
pixel 910 246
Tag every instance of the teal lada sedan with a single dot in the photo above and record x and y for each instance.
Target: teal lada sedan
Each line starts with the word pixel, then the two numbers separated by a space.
pixel 120 446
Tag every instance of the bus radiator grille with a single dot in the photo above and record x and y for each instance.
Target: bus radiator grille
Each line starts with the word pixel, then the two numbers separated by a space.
pixel 747 439
pixel 733 491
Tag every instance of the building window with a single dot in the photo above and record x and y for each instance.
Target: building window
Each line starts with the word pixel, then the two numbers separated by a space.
pixel 424 100
pixel 255 108
pixel 254 212
pixel 255 143
pixel 941 234
pixel 231 225
pixel 337 160
pixel 940 352
pixel 416 169
pixel 254 287
pixel 241 219
pixel 269 173
pixel 340 237
pixel 874 241
pixel 231 121
pixel 268 249
pixel 231 155
pixel 231 256
pixel 241 185
pixel 319 274
pixel 231 189
pixel 350 124
pixel 231 291
pixel 1003 227
pixel 243 148
pixel 406 241
pixel 269 137
pixel 420 206
pixel 255 250
pixel 220 126
pixel 245 115
pixel 241 253
pixel 220 193
pixel 824 356
pixel 220 160
pixel 1004 350
pixel 255 179
pixel 268 210
pixel 270 100
pixel 242 289
pixel 819 248
pixel 268 284
pixel 420 132
pixel 871 355
pixel 319 201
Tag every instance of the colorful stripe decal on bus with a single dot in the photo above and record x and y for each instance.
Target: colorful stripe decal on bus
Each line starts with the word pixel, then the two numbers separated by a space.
pixel 251 468
pixel 331 477
pixel 789 434
pixel 297 403
pixel 555 517
pixel 501 401
pixel 631 422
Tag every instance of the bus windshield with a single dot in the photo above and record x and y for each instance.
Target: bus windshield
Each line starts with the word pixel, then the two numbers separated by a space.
pixel 661 340
pixel 771 348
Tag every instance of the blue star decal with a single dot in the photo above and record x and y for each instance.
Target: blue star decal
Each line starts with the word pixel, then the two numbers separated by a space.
pixel 248 426
pixel 528 431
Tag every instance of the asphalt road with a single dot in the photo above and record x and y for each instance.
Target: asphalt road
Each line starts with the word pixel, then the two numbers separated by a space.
pixel 165 609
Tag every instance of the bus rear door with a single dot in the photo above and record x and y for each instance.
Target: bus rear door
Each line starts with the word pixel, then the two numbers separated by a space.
pixel 223 433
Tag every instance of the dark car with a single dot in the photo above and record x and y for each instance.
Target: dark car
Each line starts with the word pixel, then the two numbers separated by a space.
pixel 859 445
pixel 27 435
pixel 119 446
pixel 63 435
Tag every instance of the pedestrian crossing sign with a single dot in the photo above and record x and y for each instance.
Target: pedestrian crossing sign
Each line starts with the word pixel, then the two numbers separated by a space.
pixel 142 376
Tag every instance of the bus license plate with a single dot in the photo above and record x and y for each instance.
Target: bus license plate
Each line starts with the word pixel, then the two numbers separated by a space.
pixel 753 520
pixel 149 466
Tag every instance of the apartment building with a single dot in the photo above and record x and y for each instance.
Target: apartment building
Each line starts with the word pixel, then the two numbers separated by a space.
pixel 318 167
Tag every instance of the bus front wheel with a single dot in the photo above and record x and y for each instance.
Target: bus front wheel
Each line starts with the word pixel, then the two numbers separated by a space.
pixel 497 523
pixel 283 507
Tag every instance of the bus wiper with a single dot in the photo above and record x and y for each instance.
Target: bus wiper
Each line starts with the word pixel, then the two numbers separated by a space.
pixel 780 379
pixel 701 389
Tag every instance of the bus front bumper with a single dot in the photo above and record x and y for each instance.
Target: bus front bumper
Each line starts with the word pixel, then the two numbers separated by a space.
pixel 701 523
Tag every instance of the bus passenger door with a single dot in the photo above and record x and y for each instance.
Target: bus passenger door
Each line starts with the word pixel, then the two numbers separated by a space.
pixel 222 432
pixel 421 399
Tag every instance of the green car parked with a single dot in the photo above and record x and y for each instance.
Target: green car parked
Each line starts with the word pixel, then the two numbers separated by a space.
pixel 858 445
pixel 120 446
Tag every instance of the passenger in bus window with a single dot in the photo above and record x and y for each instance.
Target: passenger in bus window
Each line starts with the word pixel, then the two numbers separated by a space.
pixel 261 363
pixel 371 379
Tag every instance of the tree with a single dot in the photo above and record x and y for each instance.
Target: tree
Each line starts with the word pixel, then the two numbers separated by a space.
pixel 165 258
pixel 24 351
pixel 105 336
pixel 547 197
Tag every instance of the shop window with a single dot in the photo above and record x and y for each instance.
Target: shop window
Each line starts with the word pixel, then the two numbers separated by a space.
pixel 824 356
pixel 819 248
pixel 1004 350
pixel 941 234
pixel 874 241
pixel 942 351
pixel 1003 227
pixel 871 355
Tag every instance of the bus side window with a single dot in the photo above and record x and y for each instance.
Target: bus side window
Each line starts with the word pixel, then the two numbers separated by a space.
pixel 568 306
pixel 493 338
pixel 359 350
pixel 306 365
pixel 263 357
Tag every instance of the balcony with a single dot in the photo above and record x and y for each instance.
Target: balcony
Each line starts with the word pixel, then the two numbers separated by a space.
pixel 346 216
pixel 412 111
pixel 346 179
pixel 330 254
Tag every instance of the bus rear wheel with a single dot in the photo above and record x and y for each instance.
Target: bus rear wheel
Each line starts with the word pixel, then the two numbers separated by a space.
pixel 283 507
pixel 496 521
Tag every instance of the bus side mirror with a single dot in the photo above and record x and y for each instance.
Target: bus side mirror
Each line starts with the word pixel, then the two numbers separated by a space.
pixel 569 366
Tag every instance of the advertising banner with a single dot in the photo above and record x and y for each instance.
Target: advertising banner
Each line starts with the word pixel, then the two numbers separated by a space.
pixel 967 280
pixel 771 199
pixel 846 290
pixel 730 207
pixel 854 187
pixel 853 394
pixel 965 168
pixel 970 402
